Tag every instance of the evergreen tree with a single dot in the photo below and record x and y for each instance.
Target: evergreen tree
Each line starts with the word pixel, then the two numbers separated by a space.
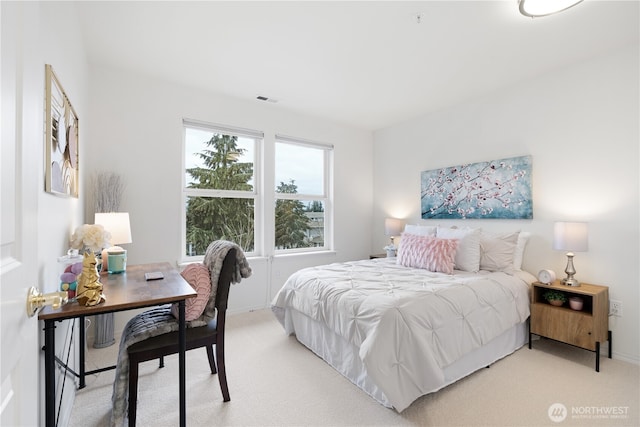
pixel 291 221
pixel 212 218
pixel 315 206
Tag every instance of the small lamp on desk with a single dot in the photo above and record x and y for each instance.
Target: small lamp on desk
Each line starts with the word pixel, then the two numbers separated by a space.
pixel 570 236
pixel 116 223
pixel 392 227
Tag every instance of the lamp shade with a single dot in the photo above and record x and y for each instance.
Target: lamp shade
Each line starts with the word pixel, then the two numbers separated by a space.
pixel 116 223
pixel 393 226
pixel 536 8
pixel 571 236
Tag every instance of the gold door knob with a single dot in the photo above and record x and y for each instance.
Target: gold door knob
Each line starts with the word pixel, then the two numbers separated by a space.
pixel 36 299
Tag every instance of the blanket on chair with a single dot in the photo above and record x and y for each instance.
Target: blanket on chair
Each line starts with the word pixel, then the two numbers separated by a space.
pixel 160 320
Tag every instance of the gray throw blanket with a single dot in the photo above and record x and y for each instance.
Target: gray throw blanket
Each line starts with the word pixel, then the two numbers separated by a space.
pixel 158 321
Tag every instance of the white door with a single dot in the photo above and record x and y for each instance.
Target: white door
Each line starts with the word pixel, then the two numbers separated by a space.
pixel 20 129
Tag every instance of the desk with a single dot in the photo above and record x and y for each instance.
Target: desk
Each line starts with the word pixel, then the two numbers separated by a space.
pixel 126 291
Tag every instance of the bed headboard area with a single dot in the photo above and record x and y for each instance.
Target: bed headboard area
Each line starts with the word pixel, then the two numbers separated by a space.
pixel 470 249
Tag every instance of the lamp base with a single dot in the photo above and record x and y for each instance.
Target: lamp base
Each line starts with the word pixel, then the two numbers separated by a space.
pixel 570 270
pixel 570 281
pixel 391 251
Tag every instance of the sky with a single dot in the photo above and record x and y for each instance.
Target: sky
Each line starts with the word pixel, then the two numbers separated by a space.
pixel 301 163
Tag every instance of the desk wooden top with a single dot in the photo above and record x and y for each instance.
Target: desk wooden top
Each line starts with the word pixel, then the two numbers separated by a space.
pixel 129 290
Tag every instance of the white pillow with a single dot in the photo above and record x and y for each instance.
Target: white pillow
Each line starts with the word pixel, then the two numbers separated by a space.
pixel 497 251
pixel 468 253
pixel 420 230
pixel 518 256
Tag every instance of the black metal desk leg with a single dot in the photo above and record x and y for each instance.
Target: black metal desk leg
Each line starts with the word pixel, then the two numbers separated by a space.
pixel 182 336
pixel 610 336
pixel 50 373
pixel 597 356
pixel 81 353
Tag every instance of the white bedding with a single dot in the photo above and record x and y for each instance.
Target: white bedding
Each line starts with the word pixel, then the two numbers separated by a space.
pixel 408 326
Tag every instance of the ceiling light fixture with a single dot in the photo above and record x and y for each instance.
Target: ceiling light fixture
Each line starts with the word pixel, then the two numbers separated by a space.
pixel 537 8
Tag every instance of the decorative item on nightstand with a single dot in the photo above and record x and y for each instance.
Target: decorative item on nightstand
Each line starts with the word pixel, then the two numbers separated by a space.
pixel 555 298
pixel 576 303
pixel 117 223
pixel 570 236
pixel 392 227
pixel 546 276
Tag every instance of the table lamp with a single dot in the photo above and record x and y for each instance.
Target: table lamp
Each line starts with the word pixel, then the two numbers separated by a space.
pixel 392 227
pixel 570 236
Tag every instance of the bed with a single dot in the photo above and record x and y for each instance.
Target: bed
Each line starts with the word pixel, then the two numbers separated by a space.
pixel 399 328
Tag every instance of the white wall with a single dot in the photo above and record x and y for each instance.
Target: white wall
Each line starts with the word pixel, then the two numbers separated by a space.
pixel 59 43
pixel 580 124
pixel 137 132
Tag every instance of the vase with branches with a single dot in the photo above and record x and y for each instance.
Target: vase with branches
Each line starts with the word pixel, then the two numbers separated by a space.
pixel 107 193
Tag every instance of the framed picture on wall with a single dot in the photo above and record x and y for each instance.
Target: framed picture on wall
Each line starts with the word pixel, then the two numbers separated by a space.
pixel 61 139
pixel 496 189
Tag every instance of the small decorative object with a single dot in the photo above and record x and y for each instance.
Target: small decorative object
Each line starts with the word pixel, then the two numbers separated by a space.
pixel 546 276
pixel 89 290
pixel 576 303
pixel 71 266
pixel 555 298
pixel 69 279
pixel 115 258
pixel 90 237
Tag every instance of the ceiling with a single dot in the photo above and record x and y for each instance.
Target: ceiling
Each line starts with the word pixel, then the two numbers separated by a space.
pixel 366 64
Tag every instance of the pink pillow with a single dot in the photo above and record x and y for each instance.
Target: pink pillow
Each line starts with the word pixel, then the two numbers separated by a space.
pixel 197 275
pixel 428 252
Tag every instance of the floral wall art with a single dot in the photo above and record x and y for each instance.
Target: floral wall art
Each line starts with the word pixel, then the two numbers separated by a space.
pixel 61 138
pixel 496 189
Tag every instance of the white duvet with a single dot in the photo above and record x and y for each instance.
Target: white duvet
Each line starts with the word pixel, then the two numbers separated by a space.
pixel 409 324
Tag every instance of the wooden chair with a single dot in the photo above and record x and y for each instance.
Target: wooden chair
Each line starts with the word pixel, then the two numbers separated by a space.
pixel 203 336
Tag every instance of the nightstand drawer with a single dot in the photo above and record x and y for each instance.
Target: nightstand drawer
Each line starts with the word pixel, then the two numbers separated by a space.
pixel 564 324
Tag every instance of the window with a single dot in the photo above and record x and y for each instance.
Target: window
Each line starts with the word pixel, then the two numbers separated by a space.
pixel 221 200
pixel 302 195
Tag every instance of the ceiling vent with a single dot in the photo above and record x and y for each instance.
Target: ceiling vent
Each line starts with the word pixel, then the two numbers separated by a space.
pixel 264 98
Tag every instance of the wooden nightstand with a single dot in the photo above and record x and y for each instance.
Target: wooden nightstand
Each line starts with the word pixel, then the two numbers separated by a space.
pixel 586 328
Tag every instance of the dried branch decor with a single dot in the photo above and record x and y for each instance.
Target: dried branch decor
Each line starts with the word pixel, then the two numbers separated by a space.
pixel 107 191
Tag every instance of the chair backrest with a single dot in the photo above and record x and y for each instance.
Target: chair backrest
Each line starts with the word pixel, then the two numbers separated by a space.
pixel 224 281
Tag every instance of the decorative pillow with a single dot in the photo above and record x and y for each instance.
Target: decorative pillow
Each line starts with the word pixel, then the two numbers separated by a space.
pixel 420 230
pixel 468 253
pixel 197 275
pixel 518 256
pixel 497 251
pixel 428 252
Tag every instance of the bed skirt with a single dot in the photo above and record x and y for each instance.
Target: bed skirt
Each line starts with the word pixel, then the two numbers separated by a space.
pixel 344 357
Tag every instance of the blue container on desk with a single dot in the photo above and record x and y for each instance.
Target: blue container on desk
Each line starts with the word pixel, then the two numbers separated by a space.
pixel 117 262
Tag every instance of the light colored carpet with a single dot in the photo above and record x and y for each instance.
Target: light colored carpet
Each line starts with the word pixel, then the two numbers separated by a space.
pixel 275 381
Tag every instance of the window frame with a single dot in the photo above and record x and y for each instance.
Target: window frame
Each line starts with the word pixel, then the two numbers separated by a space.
pixel 326 197
pixel 256 194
